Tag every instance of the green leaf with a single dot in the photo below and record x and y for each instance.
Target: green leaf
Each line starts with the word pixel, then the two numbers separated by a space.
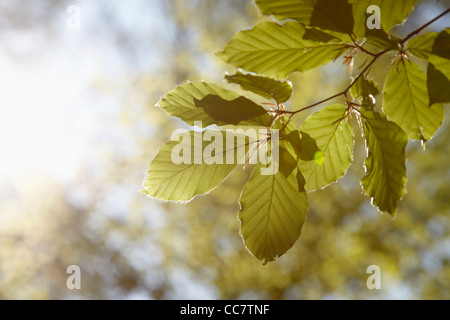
pixel 375 37
pixel 238 111
pixel 300 10
pixel 289 148
pixel 268 88
pixel 385 177
pixel 292 136
pixel 438 86
pixel 332 16
pixel 278 50
pixel 327 147
pixel 181 182
pixel 440 57
pixel 211 104
pixel 422 45
pixel 288 162
pixel 406 101
pixel 320 36
pixel 392 13
pixel 272 214
pixel 365 90
pixel 380 39
pixel 433 47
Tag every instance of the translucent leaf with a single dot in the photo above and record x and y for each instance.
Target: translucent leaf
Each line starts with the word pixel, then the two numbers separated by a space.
pixel 238 111
pixel 300 10
pixel 434 47
pixel 380 39
pixel 320 36
pixel 375 37
pixel 181 182
pixel 438 85
pixel 211 104
pixel 278 50
pixel 365 90
pixel 290 151
pixel 333 15
pixel 392 13
pixel 327 147
pixel 406 101
pixel 272 214
pixel 422 45
pixel 440 57
pixel 385 177
pixel 268 88
pixel 315 13
pixel 292 136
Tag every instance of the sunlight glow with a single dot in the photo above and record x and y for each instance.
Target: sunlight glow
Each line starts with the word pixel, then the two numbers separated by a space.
pixel 34 125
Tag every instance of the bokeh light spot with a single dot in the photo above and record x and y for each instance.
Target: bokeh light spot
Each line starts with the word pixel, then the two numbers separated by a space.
pixel 319 157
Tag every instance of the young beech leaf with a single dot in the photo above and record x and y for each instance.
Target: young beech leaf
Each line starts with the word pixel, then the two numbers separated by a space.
pixel 327 147
pixel 433 47
pixel 290 151
pixel 333 15
pixel 272 213
pixel 181 182
pixel 211 104
pixel 380 39
pixel 440 57
pixel 314 13
pixel 422 45
pixel 385 177
pixel 288 161
pixel 365 90
pixel 266 87
pixel 278 50
pixel 300 10
pixel 392 13
pixel 234 112
pixel 406 101
pixel 438 86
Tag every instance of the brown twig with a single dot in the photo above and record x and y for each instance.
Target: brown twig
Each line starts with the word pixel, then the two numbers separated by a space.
pixel 375 57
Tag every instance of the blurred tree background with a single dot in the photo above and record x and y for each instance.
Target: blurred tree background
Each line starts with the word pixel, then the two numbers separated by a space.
pixel 78 129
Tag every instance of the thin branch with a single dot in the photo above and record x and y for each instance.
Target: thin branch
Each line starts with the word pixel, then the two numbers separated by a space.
pixel 424 26
pixel 364 70
pixel 375 57
pixel 315 104
pixel 357 45
pixel 345 90
pixel 364 50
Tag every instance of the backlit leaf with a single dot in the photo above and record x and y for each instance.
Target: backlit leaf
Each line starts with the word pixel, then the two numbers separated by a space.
pixel 406 101
pixel 380 39
pixel 268 88
pixel 333 16
pixel 434 47
pixel 440 57
pixel 438 86
pixel 272 214
pixel 385 177
pixel 327 147
pixel 392 13
pixel 278 50
pixel 422 45
pixel 300 10
pixel 181 182
pixel 211 104
pixel 365 90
